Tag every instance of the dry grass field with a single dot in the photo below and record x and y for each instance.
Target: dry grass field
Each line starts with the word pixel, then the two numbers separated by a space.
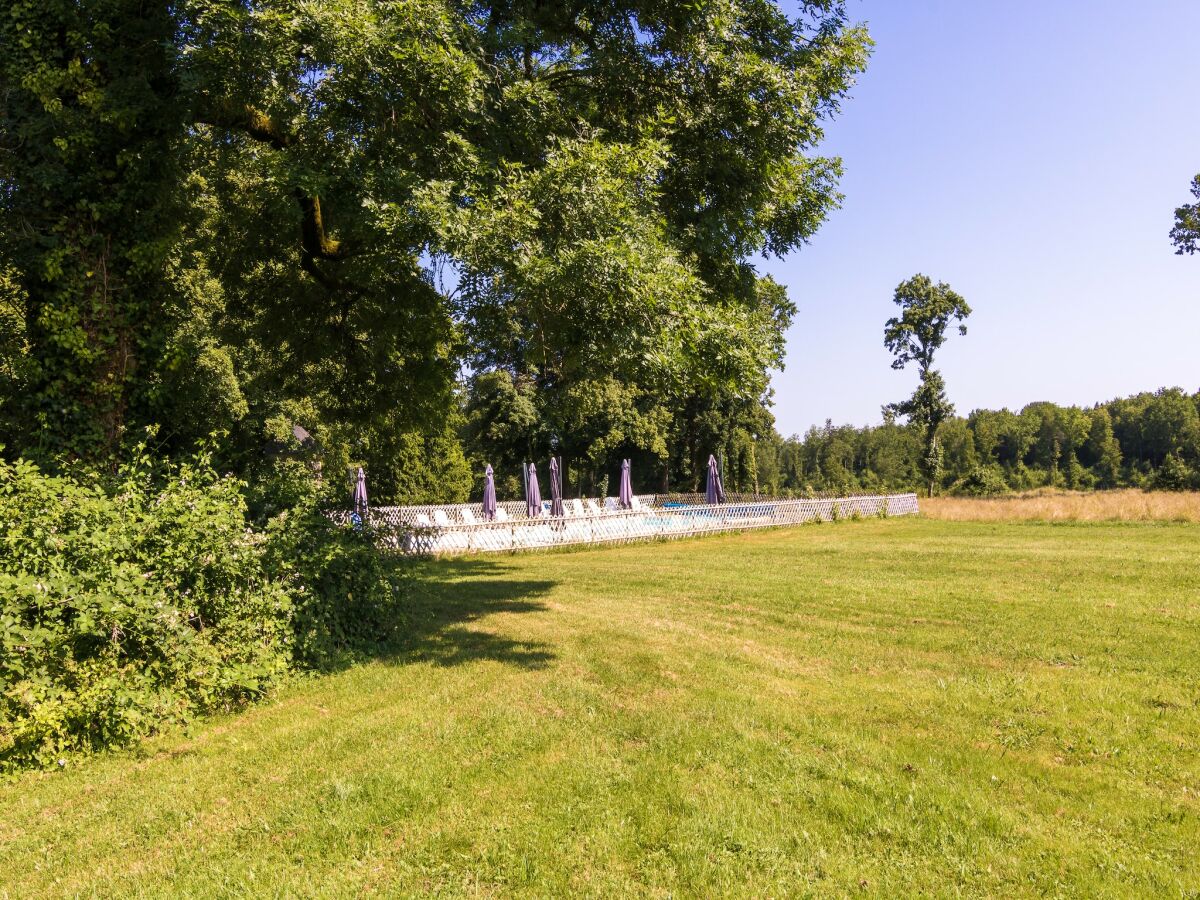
pixel 1069 506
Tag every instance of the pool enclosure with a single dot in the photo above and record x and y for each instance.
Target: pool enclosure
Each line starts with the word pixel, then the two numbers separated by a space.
pixel 462 528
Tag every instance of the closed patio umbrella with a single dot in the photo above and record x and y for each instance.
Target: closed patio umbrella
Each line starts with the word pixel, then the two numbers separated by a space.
pixel 489 494
pixel 714 493
pixel 360 497
pixel 533 496
pixel 556 504
pixel 625 494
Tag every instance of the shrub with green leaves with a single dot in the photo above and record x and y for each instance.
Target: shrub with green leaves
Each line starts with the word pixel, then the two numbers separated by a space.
pixel 982 481
pixel 1174 475
pixel 346 595
pixel 127 601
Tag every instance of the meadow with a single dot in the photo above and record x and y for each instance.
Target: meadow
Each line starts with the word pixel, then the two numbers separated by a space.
pixel 884 707
pixel 1046 505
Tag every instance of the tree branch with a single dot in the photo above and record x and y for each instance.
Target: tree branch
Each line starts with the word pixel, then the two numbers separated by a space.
pixel 245 118
pixel 314 239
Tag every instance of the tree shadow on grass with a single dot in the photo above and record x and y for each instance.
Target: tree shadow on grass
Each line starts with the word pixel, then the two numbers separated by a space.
pixel 448 596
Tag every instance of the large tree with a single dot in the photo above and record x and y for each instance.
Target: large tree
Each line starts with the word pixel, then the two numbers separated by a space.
pixel 90 113
pixel 927 311
pixel 221 208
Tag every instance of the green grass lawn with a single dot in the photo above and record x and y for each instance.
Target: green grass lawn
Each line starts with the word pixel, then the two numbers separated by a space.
pixel 882 707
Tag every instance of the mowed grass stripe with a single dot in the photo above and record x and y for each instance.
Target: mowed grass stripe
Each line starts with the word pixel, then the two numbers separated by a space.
pixel 883 707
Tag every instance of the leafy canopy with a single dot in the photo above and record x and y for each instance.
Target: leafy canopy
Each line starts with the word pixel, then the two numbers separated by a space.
pixel 272 189
pixel 927 310
pixel 1186 233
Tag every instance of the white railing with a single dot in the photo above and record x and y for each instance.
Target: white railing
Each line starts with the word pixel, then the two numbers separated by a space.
pixel 447 530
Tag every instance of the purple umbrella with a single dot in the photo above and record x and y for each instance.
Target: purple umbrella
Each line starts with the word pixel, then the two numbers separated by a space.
pixel 556 504
pixel 533 496
pixel 714 492
pixel 489 494
pixel 625 495
pixel 360 496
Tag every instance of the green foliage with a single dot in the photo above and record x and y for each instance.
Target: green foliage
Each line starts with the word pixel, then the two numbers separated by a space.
pixel 504 425
pixel 1170 426
pixel 139 598
pixel 927 310
pixel 14 349
pixel 928 407
pixel 89 123
pixel 346 597
pixel 1174 475
pixel 596 284
pixel 220 211
pixel 420 467
pixel 982 481
pixel 127 601
pixel 1185 234
pixel 594 338
pixel 1101 452
pixel 926 410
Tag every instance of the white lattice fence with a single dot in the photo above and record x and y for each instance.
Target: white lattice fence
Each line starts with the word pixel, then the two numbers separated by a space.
pixel 464 513
pixel 461 529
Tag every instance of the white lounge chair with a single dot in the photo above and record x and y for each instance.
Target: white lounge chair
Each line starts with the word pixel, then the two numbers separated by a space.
pixel 421 543
pixel 440 518
pixel 577 527
pixel 501 514
pixel 468 517
pixel 540 535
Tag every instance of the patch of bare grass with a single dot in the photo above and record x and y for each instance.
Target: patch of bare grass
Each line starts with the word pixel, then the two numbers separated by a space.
pixel 1069 506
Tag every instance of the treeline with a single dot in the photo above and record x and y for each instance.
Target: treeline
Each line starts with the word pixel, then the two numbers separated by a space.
pixel 1149 440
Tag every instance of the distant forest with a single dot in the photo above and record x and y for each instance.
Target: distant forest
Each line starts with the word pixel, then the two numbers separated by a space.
pixel 1149 440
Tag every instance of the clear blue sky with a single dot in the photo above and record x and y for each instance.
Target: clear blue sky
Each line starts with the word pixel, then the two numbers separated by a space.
pixel 1031 154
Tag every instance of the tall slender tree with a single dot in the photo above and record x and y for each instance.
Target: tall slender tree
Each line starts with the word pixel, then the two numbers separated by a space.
pixel 927 311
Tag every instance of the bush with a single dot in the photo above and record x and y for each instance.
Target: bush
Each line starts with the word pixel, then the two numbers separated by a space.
pixel 128 601
pixel 1079 477
pixel 982 481
pixel 1173 475
pixel 134 600
pixel 346 596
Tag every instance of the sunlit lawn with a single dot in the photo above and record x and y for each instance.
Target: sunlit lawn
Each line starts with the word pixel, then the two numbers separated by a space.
pixel 880 707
